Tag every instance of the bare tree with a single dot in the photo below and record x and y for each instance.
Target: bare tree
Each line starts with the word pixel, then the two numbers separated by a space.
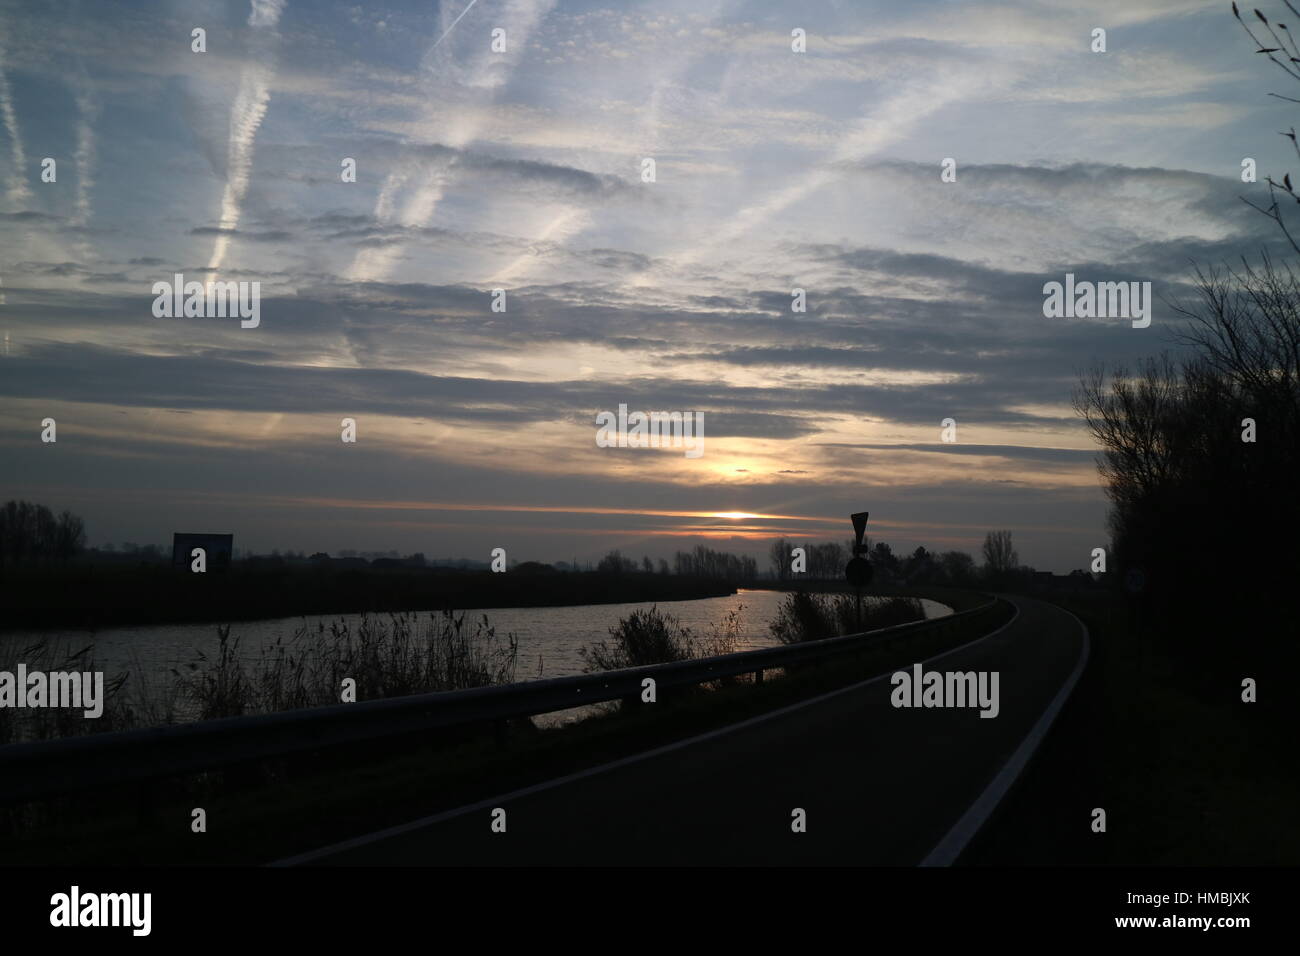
pixel 958 568
pixel 30 533
pixel 1000 557
pixel 1199 455
pixel 1281 42
pixel 69 535
pixel 780 558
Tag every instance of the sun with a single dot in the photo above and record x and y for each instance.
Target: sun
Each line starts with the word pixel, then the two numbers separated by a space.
pixel 734 514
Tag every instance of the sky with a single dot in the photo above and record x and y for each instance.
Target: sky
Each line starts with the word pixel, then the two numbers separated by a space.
pixel 522 170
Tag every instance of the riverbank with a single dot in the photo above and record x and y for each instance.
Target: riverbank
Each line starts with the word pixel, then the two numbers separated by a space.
pixel 155 670
pixel 95 596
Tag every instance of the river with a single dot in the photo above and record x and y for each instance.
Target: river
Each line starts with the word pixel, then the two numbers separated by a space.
pixel 550 638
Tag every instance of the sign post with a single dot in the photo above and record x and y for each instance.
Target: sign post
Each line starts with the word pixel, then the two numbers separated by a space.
pixel 859 570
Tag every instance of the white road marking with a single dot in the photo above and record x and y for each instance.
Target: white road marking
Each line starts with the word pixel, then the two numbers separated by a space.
pixel 977 814
pixel 498 801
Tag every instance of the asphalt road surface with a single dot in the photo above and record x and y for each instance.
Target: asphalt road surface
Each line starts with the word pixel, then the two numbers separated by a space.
pixel 879 785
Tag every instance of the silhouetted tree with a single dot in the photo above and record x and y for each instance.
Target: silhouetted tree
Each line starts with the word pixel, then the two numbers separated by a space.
pixel 706 563
pixel 958 568
pixel 1000 558
pixel 780 557
pixel 886 564
pixel 920 567
pixel 615 563
pixel 1285 44
pixel 30 533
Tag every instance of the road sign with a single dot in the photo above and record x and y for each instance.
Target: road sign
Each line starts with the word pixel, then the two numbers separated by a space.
pixel 859 572
pixel 859 529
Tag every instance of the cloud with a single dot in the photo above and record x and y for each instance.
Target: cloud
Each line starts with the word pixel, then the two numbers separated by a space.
pixel 1071 456
pixel 817 171
pixel 29 215
pixel 273 235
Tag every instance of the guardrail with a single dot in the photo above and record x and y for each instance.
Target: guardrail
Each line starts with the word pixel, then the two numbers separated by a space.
pixel 67 765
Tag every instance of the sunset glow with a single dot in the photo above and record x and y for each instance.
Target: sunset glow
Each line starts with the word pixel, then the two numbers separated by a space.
pixel 522 174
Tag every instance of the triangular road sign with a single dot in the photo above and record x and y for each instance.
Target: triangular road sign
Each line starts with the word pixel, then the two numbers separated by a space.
pixel 859 525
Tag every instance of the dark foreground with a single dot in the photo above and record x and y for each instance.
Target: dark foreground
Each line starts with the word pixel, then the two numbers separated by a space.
pixel 878 784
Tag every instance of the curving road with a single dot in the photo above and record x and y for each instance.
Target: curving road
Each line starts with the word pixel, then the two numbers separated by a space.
pixel 880 785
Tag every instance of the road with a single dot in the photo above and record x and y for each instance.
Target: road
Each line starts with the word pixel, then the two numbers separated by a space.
pixel 879 785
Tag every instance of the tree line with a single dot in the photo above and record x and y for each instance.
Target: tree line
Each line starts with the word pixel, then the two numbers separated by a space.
pixel 702 562
pixel 33 534
pixel 826 562
pixel 1200 449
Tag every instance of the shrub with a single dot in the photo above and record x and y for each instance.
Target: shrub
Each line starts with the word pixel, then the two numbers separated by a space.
pixel 643 637
pixel 804 616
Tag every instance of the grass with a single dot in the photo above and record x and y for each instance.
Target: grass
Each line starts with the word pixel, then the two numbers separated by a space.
pixel 392 655
pixel 43 723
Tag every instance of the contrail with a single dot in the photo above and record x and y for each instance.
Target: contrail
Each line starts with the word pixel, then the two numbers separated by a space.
pixel 570 222
pixel 431 185
pixel 374 263
pixel 18 191
pixel 246 115
pixel 894 119
pixel 85 154
pixel 453 25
